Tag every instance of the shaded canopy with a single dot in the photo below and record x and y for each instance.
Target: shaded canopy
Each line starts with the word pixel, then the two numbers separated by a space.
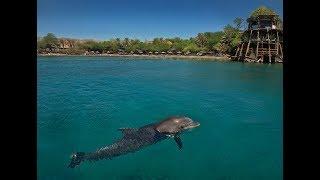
pixel 264 13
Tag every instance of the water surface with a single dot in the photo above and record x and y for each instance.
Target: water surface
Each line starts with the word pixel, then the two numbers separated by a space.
pixel 82 101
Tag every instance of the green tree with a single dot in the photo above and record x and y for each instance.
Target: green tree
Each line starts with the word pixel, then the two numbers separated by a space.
pixel 201 40
pixel 115 45
pixel 193 48
pixel 231 38
pixel 180 45
pixel 49 41
pixel 213 38
pixel 239 23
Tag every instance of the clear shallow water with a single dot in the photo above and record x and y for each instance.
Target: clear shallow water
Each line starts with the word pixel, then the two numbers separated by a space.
pixel 82 101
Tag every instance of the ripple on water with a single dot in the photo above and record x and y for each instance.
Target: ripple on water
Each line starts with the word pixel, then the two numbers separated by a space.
pixel 83 101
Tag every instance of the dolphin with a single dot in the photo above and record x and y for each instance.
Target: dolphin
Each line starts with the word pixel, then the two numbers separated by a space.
pixel 134 139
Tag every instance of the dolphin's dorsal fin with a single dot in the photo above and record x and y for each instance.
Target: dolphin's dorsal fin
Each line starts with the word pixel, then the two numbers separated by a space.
pixel 178 141
pixel 126 131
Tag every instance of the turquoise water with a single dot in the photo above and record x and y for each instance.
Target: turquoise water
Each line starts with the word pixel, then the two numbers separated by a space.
pixel 82 101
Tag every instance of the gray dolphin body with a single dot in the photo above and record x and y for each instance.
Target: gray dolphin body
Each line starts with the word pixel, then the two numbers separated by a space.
pixel 135 139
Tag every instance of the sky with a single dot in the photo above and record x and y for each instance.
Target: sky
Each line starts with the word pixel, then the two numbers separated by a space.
pixel 141 19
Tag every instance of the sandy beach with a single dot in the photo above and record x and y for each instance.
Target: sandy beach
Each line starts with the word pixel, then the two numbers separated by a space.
pixel 147 56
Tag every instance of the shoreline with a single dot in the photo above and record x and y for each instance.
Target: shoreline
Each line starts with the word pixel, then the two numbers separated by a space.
pixel 224 58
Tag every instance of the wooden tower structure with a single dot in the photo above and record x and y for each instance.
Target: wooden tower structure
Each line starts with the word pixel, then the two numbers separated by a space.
pixel 262 41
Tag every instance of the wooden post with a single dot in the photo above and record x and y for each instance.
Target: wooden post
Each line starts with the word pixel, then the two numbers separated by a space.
pixel 258 41
pixel 281 50
pixel 237 50
pixel 248 46
pixel 262 54
pixel 277 43
pixel 257 50
pixel 269 45
pixel 269 52
pixel 240 51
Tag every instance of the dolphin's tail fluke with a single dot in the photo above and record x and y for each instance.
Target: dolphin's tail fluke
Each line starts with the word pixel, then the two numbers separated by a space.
pixel 76 159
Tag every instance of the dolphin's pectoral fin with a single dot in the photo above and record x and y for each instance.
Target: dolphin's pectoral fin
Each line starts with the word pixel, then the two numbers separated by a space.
pixel 178 141
pixel 126 131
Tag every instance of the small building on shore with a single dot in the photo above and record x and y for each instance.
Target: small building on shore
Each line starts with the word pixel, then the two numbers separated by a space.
pixel 262 41
pixel 66 43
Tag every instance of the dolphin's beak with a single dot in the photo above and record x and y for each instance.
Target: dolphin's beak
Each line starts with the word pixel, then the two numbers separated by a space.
pixel 193 124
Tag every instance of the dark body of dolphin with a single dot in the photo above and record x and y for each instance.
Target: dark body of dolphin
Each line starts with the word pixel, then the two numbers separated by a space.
pixel 135 139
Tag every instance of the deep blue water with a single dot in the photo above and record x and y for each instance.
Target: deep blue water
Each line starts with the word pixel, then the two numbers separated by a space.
pixel 82 101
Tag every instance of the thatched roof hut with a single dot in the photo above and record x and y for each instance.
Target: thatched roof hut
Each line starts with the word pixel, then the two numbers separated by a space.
pixel 187 53
pixel 264 17
pixel 121 51
pixel 262 10
pixel 210 53
pixel 66 43
pixel 200 53
pixel 262 41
